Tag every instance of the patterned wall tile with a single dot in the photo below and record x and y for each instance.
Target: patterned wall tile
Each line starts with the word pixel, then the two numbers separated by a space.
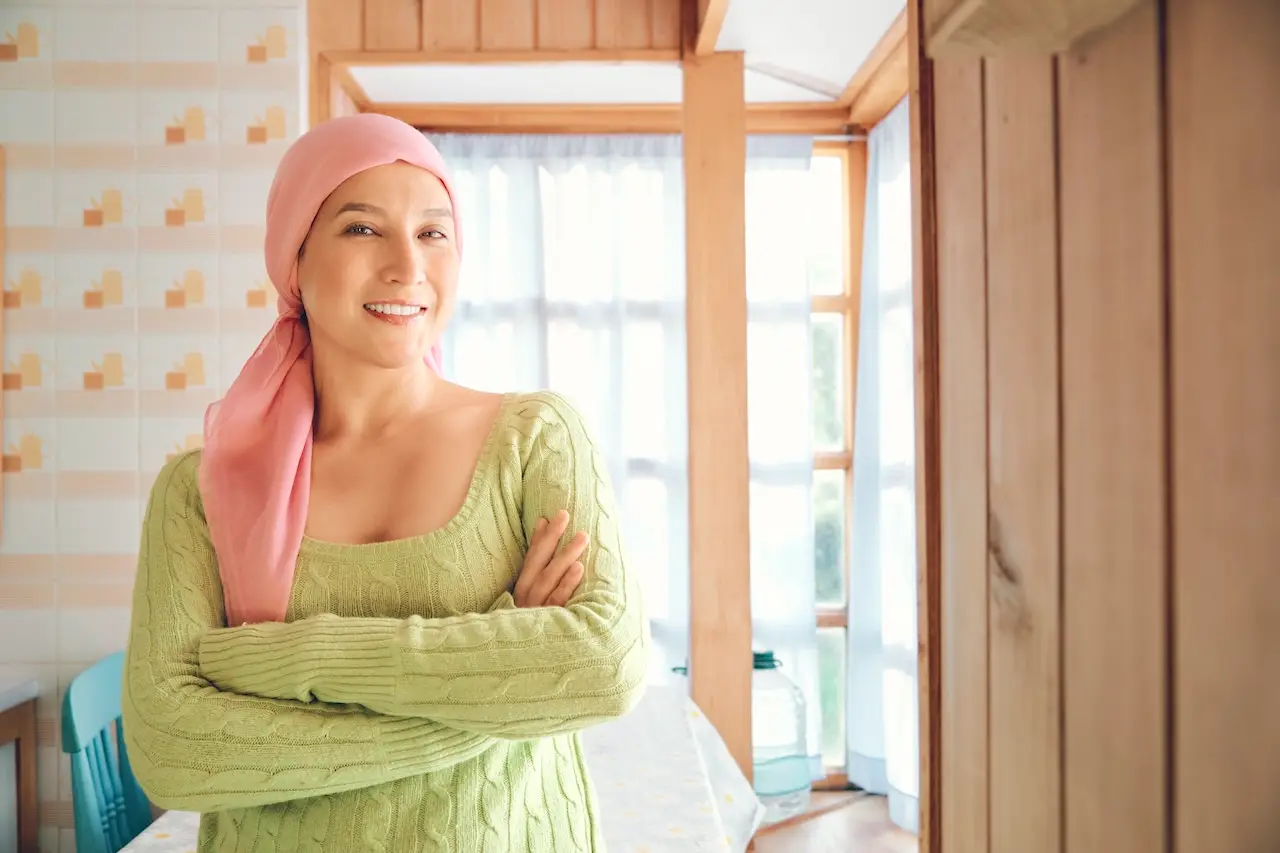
pixel 163 438
pixel 28 369
pixel 99 526
pixel 95 626
pixel 259 120
pixel 98 445
pixel 26 119
pixel 178 131
pixel 28 201
pixel 178 35
pixel 258 36
pixel 102 283
pixel 93 201
pixel 96 363
pixel 28 33
pixel 176 364
pixel 141 137
pixel 177 201
pixel 98 35
pixel 177 289
pixel 28 285
pixel 28 631
pixel 89 118
pixel 246 195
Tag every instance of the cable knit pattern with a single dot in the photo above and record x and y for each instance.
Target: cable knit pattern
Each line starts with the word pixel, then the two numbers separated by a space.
pixel 386 713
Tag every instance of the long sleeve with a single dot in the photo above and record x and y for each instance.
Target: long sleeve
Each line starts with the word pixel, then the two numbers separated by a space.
pixel 513 673
pixel 195 747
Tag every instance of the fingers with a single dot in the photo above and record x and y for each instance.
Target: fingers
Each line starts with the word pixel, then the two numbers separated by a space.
pixel 543 568
pixel 551 577
pixel 564 591
pixel 546 534
pixel 542 545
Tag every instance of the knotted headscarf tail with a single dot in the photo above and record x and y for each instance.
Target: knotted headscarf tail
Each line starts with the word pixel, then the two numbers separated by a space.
pixel 255 472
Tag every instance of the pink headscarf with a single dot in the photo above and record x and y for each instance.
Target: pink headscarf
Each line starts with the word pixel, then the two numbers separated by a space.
pixel 255 473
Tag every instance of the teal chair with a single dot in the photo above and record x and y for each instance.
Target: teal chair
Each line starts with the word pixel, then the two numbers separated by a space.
pixel 110 807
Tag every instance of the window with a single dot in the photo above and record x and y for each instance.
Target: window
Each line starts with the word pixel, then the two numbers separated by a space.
pixel 573 280
pixel 835 272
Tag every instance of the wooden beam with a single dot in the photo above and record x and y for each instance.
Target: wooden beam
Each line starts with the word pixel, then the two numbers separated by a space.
pixel 710 22
pixel 343 78
pixel 1008 27
pixel 924 155
pixel 964 581
pixel 604 118
pixel 715 250
pixel 3 248
pixel 332 25
pixel 1221 84
pixel 882 79
pixel 497 57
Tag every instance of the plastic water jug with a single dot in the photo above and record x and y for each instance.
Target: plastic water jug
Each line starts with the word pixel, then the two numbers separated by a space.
pixel 779 745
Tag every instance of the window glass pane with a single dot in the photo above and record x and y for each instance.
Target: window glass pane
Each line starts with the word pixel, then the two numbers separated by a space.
pixel 578 365
pixel 778 405
pixel 827 230
pixel 643 257
pixel 577 237
pixel 828 536
pixel 780 531
pixel 483 354
pixel 643 431
pixel 831 686
pixel 829 387
pixel 645 528
pixel 777 265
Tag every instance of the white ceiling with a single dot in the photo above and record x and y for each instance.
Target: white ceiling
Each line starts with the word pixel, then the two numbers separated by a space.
pixel 819 42
pixel 803 52
pixel 550 83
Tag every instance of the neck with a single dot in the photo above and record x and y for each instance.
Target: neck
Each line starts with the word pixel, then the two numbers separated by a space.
pixel 364 401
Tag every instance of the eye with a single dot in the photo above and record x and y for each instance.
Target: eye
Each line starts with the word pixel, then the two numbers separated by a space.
pixel 435 234
pixel 357 228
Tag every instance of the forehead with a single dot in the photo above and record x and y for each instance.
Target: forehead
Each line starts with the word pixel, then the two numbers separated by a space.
pixel 391 186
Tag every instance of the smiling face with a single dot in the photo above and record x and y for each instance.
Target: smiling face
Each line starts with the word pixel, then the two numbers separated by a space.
pixel 378 272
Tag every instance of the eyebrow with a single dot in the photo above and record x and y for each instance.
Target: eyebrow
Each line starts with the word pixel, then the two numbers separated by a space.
pixel 361 207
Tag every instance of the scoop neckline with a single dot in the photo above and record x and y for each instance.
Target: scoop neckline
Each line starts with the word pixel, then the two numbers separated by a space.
pixel 479 474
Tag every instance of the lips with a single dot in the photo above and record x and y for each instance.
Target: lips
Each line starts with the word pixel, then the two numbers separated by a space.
pixel 395 313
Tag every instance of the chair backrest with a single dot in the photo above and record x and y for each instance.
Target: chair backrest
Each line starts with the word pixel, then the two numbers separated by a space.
pixel 110 806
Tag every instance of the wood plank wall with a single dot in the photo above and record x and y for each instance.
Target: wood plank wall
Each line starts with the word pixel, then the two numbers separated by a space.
pixel 467 26
pixel 1108 278
pixel 472 28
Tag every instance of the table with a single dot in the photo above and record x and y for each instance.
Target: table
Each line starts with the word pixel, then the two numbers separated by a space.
pixel 18 726
pixel 664 778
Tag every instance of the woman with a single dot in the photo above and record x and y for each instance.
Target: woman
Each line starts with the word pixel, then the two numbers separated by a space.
pixel 357 521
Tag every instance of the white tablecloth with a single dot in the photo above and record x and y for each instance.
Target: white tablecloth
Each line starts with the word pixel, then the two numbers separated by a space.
pixel 664 778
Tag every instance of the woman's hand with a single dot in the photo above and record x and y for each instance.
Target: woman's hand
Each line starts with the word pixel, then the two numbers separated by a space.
pixel 548 578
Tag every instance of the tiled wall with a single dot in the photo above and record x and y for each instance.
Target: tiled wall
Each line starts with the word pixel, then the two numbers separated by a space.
pixel 141 139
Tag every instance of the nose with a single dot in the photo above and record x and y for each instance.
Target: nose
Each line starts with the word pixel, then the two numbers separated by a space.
pixel 403 263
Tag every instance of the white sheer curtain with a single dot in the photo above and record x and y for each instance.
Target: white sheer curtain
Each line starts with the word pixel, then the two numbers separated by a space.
pixel 780 420
pixel 882 699
pixel 573 279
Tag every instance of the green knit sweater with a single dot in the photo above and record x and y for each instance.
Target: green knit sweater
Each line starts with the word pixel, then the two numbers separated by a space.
pixel 405 704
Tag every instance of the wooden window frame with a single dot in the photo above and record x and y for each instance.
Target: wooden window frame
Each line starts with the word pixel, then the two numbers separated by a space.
pixel 852 155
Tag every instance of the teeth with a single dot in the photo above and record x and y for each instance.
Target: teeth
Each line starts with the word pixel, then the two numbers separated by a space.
pixel 399 310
